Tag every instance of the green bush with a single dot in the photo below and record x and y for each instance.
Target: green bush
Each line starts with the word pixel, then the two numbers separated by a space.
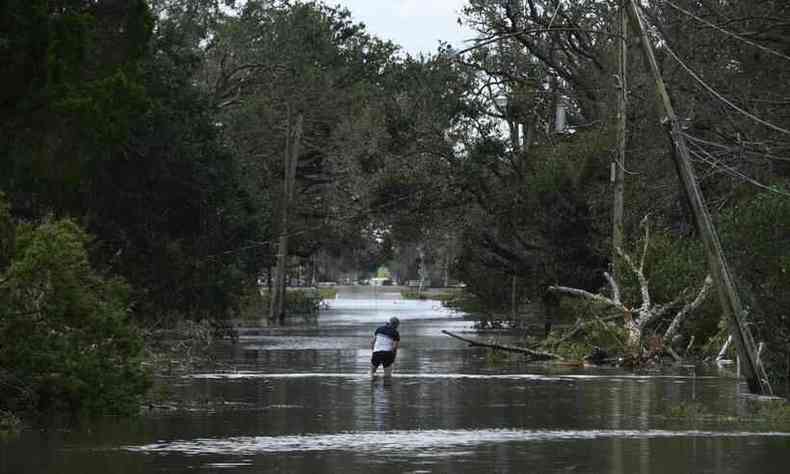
pixel 756 237
pixel 256 304
pixel 10 425
pixel 65 338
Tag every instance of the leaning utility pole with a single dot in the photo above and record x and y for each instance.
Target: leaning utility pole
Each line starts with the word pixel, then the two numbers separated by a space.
pixel 618 165
pixel 728 297
pixel 293 137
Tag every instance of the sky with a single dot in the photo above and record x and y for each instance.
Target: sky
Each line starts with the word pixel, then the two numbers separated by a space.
pixel 416 25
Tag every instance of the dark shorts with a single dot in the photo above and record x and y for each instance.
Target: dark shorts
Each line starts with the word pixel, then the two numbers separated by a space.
pixel 385 358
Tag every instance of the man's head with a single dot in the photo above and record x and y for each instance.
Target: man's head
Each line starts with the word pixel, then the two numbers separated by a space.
pixel 394 322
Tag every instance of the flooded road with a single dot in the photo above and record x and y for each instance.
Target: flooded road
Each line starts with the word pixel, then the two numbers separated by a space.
pixel 299 399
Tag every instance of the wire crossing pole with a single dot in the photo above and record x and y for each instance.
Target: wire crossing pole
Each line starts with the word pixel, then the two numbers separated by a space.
pixel 728 297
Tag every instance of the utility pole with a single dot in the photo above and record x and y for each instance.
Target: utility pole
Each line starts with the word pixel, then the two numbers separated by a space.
pixel 293 137
pixel 618 165
pixel 753 371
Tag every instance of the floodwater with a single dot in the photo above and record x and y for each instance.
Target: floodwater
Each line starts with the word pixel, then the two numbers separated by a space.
pixel 300 399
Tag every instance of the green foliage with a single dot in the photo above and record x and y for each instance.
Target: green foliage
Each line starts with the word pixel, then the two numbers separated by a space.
pixel 775 411
pixel 756 237
pixel 497 358
pixel 571 350
pixel 688 410
pixel 7 233
pixel 411 294
pixel 772 413
pixel 10 425
pixel 675 266
pixel 65 338
pixel 72 89
pixel 477 301
pixel 303 302
pixel 327 293
pixel 607 335
pixel 446 297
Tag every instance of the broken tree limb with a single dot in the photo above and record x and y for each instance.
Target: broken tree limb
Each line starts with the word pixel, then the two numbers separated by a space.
pixel 521 350
pixel 590 296
pixel 724 347
pixel 636 321
pixel 681 315
pixel 640 272
pixel 614 286
pixel 674 354
pixel 580 325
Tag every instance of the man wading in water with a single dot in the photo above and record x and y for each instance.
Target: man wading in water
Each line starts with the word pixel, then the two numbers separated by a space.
pixel 385 346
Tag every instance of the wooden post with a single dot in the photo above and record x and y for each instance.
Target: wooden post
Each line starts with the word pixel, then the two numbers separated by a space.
pixel 618 171
pixel 293 139
pixel 728 297
pixel 514 300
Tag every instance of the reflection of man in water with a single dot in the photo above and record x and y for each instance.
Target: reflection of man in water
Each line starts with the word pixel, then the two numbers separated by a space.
pixel 381 404
pixel 385 346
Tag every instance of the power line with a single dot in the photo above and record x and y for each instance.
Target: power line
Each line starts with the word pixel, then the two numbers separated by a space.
pixel 710 159
pixel 727 32
pixel 720 96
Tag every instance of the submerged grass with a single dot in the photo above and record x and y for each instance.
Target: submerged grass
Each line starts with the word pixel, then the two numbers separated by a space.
pixel 773 413
pixel 443 295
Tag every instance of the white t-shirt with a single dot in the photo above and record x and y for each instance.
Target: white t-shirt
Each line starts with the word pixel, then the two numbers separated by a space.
pixel 385 339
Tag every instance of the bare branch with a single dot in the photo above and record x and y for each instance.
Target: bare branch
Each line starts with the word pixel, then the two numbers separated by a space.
pixel 614 286
pixel 590 296
pixel 681 315
pixel 642 280
pixel 520 350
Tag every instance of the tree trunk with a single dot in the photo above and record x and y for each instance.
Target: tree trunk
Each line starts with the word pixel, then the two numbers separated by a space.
pixel 291 158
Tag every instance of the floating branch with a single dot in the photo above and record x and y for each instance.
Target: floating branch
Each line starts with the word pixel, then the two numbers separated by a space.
pixel 521 350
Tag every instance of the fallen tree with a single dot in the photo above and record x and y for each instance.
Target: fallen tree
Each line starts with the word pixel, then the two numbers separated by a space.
pixel 536 355
pixel 637 319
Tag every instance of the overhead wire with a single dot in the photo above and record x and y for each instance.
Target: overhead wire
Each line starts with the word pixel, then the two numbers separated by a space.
pixel 718 94
pixel 707 157
pixel 727 32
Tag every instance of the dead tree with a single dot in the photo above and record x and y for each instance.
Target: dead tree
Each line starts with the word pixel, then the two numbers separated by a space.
pixel 636 319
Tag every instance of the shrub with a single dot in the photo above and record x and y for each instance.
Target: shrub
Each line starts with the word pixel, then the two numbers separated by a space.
pixel 302 302
pixel 756 236
pixel 65 338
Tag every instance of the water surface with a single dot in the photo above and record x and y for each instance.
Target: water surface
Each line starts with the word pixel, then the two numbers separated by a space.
pixel 299 399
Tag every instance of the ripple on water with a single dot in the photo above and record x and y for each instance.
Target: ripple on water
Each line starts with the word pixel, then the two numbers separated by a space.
pixel 366 376
pixel 411 440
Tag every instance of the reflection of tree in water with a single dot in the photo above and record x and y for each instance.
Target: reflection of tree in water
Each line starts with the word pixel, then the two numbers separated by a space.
pixel 381 402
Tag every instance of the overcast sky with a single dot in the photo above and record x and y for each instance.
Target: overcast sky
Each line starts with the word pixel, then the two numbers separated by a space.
pixel 416 25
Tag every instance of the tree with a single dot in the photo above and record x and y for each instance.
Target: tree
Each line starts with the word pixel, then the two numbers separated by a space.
pixel 66 340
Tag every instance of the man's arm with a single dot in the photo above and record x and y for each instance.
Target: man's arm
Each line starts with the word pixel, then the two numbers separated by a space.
pixel 395 346
pixel 373 342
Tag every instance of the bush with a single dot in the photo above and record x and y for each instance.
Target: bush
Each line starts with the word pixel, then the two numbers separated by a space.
pixel 65 338
pixel 256 303
pixel 756 237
